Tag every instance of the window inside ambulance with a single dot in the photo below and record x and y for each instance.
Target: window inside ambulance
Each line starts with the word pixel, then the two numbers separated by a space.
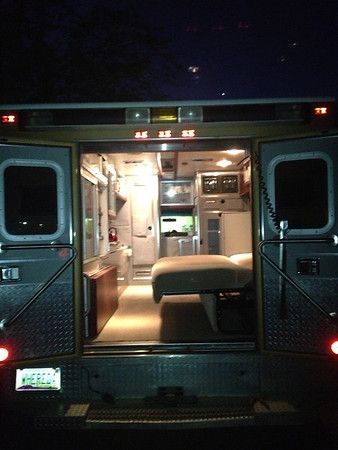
pixel 301 193
pixel 30 200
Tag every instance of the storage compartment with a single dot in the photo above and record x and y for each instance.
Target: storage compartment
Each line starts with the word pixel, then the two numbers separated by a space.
pixel 221 203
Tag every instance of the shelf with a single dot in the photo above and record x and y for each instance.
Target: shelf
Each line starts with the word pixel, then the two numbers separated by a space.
pixel 175 207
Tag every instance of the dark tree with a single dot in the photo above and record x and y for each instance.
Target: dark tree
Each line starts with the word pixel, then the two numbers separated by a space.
pixel 55 51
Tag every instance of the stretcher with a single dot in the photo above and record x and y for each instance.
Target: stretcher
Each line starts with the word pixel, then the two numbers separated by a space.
pixel 206 275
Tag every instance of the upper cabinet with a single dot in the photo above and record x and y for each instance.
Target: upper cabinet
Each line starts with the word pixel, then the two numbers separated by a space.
pixel 220 184
pixel 177 193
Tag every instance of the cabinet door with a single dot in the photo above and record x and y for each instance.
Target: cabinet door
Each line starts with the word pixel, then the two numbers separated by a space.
pixel 236 233
pixel 210 233
pixel 144 201
pixel 177 193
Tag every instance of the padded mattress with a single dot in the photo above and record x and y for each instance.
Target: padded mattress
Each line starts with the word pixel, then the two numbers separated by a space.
pixel 197 274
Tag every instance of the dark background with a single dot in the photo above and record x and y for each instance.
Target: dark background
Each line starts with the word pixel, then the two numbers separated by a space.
pixel 109 50
pixel 311 437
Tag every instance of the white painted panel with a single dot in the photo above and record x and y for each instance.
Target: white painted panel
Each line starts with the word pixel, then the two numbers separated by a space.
pixel 236 233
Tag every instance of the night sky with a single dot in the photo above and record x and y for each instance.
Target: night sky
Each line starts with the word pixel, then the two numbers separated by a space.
pixel 216 49
pixel 248 48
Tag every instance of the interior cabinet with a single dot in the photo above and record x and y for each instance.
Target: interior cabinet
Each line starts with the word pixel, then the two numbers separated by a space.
pixel 101 299
pixel 177 193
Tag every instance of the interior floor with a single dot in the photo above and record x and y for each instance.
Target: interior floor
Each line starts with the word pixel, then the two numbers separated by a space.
pixel 176 319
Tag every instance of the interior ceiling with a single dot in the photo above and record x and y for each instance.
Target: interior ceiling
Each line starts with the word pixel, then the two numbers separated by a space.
pixel 174 164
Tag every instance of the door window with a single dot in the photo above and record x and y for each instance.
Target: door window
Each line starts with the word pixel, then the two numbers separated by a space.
pixel 302 189
pixel 31 199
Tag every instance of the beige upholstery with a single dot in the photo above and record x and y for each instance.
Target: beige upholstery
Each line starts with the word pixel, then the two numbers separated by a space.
pixel 197 274
pixel 242 259
pixel 206 275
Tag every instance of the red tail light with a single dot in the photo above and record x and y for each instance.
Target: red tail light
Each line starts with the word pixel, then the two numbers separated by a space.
pixel 4 354
pixel 334 347
pixel 9 118
pixel 321 111
pixel 141 134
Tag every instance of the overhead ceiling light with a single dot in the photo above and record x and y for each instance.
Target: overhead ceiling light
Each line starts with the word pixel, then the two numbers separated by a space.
pixel 234 151
pixel 223 163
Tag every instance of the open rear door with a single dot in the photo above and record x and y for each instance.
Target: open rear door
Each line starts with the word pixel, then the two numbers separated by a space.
pixel 38 308
pixel 299 252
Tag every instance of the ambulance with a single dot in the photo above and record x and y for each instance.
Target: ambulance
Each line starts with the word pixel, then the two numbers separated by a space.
pixel 169 264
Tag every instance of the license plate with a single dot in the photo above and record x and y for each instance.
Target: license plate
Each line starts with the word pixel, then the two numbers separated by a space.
pixel 38 379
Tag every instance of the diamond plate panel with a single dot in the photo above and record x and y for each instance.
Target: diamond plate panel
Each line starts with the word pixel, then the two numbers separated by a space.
pixel 46 327
pixel 303 328
pixel 296 377
pixel 200 375
pixel 123 378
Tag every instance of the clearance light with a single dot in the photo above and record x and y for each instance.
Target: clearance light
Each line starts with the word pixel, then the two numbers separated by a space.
pixel 141 134
pixel 188 133
pixel 164 134
pixel 321 111
pixel 334 347
pixel 164 115
pixel 4 354
pixel 9 118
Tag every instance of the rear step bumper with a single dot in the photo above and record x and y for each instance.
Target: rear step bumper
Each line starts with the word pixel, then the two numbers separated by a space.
pixel 204 414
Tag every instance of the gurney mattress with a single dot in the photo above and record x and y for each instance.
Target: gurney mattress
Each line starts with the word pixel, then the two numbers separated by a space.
pixel 197 274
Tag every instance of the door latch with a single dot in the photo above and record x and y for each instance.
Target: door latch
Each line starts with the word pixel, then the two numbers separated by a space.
pixel 9 274
pixel 308 266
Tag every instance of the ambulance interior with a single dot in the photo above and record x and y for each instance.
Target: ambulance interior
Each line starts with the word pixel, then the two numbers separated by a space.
pixel 140 207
